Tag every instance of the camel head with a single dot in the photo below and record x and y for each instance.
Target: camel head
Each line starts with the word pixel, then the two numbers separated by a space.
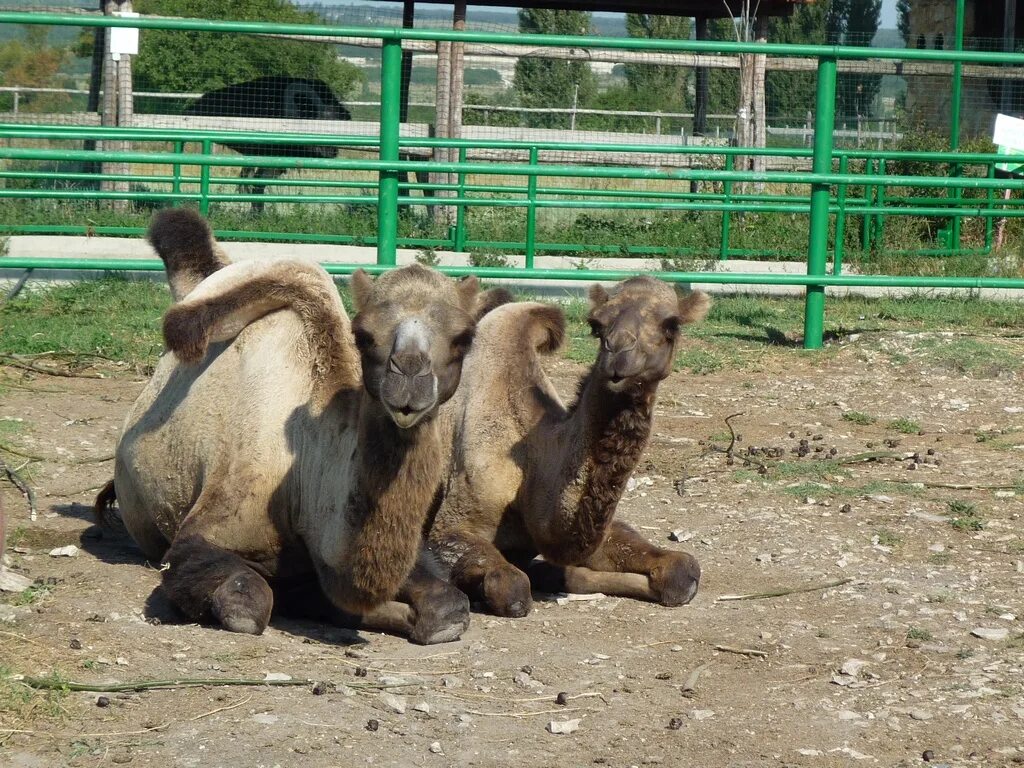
pixel 413 328
pixel 638 323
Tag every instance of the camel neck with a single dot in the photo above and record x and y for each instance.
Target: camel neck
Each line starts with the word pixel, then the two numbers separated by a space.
pixel 608 432
pixel 397 472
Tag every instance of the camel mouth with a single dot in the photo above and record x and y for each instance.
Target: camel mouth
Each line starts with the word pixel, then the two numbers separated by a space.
pixel 406 418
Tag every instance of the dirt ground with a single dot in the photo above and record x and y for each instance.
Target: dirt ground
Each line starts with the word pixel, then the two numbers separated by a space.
pixel 875 671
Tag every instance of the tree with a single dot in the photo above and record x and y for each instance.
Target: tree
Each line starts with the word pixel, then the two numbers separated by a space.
pixel 551 83
pixel 789 95
pixel 171 60
pixel 657 87
pixel 34 62
pixel 903 19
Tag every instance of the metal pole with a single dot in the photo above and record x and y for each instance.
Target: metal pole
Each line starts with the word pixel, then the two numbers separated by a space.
pixel 723 248
pixel 869 196
pixel 837 258
pixel 531 211
pixel 954 120
pixel 817 252
pixel 204 180
pixel 460 212
pixel 387 187
pixel 179 147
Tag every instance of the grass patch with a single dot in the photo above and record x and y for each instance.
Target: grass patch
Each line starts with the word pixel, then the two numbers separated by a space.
pixel 22 704
pixel 964 516
pixel 34 594
pixel 916 633
pixel 856 417
pixel 906 426
pixel 982 358
pixel 887 538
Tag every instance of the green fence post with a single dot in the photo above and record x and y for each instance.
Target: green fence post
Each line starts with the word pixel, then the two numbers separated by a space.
pixel 837 258
pixel 531 210
pixel 460 211
pixel 204 180
pixel 880 202
pixel 869 196
pixel 817 252
pixel 723 248
pixel 179 147
pixel 954 119
pixel 990 195
pixel 387 188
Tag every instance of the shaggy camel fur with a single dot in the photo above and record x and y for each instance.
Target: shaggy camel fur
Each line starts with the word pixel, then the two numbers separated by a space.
pixel 529 476
pixel 279 441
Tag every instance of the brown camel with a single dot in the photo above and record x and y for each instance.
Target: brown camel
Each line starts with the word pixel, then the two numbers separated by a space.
pixel 280 442
pixel 529 476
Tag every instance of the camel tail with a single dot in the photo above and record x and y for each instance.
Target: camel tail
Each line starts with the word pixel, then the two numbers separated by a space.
pixel 103 508
pixel 694 306
pixel 184 242
pixel 241 293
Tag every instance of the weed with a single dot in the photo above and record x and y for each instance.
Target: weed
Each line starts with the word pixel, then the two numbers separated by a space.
pixel 940 558
pixel 488 260
pixel 916 633
pixel 906 426
pixel 887 538
pixel 21 703
pixel 427 257
pixel 964 653
pixel 859 418
pixel 965 517
pixel 34 594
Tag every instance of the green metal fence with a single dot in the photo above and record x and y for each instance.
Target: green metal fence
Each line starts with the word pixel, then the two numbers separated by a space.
pixel 828 193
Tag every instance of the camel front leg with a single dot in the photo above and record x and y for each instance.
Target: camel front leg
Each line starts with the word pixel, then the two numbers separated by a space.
pixel 483 573
pixel 204 580
pixel 625 565
pixel 428 610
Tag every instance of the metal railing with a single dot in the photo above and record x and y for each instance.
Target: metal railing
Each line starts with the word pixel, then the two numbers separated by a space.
pixel 819 206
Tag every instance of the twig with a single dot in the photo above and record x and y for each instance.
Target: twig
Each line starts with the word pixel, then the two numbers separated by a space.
pixel 22 638
pixel 94 459
pixel 742 651
pixel 49 683
pixel 123 733
pixel 691 681
pixel 222 709
pixel 858 458
pixel 732 432
pixel 958 486
pixel 15 363
pixel 525 714
pixel 782 592
pixel 15 452
pixel 26 489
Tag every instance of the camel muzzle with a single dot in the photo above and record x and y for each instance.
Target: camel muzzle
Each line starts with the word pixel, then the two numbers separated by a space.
pixel 408 399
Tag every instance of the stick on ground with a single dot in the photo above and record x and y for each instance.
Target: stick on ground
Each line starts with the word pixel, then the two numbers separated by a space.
pixel 783 592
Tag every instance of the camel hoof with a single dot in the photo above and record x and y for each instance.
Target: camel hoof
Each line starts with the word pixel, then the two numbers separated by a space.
pixel 507 591
pixel 242 603
pixel 676 581
pixel 441 620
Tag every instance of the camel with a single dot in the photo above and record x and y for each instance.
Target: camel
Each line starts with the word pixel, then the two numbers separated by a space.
pixel 529 476
pixel 280 444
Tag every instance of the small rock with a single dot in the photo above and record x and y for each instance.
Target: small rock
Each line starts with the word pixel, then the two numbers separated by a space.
pixel 928 756
pixel 701 714
pixel 675 723
pixel 563 726
pixel 75 644
pixel 680 535
pixel 422 706
pixel 1008 616
pixel 846 714
pixel 397 680
pixel 562 698
pixel 991 633
pixel 810 752
pixel 527 669
pixel 663 676
pixel 676 648
pixel 372 725
pixel 323 687
pixel 102 701
pixel 846 509
pixel 390 701
pixel 920 714
pixel 449 681
pixel 279 677
pixel 435 747
pixel 937 548
pixel 522 679
pixel 13 582
pixel 852 667
pixel 764 558
pixel 69 551
pixel 121 661
pixel 265 718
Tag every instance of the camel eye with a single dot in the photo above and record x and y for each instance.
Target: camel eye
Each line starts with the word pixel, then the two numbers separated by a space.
pixel 462 342
pixel 670 327
pixel 364 339
pixel 596 328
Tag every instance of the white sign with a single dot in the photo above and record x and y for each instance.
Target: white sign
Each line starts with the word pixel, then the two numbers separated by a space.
pixel 1008 136
pixel 124 40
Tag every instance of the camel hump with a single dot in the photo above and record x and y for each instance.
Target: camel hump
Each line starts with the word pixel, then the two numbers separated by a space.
pixel 184 242
pixel 693 306
pixel 490 300
pixel 543 325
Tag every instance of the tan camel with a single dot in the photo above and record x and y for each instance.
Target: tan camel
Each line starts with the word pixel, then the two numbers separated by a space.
pixel 279 441
pixel 529 476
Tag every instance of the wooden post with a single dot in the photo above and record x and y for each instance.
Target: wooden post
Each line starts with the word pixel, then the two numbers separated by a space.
pixel 108 110
pixel 442 115
pixel 702 96
pixel 1009 33
pixel 125 110
pixel 758 100
pixel 457 70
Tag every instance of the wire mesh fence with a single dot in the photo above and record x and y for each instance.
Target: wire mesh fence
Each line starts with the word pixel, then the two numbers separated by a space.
pixel 657 104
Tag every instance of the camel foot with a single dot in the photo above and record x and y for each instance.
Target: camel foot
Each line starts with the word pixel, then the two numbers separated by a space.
pixel 676 579
pixel 242 603
pixel 507 592
pixel 442 618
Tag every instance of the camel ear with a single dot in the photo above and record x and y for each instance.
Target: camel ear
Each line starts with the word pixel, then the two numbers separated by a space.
pixel 598 296
pixel 361 285
pixel 693 306
pixel 468 287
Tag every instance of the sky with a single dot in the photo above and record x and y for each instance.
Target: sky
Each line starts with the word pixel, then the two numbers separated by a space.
pixel 888 14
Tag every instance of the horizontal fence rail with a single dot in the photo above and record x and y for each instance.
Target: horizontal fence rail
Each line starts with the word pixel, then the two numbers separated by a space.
pixel 818 180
